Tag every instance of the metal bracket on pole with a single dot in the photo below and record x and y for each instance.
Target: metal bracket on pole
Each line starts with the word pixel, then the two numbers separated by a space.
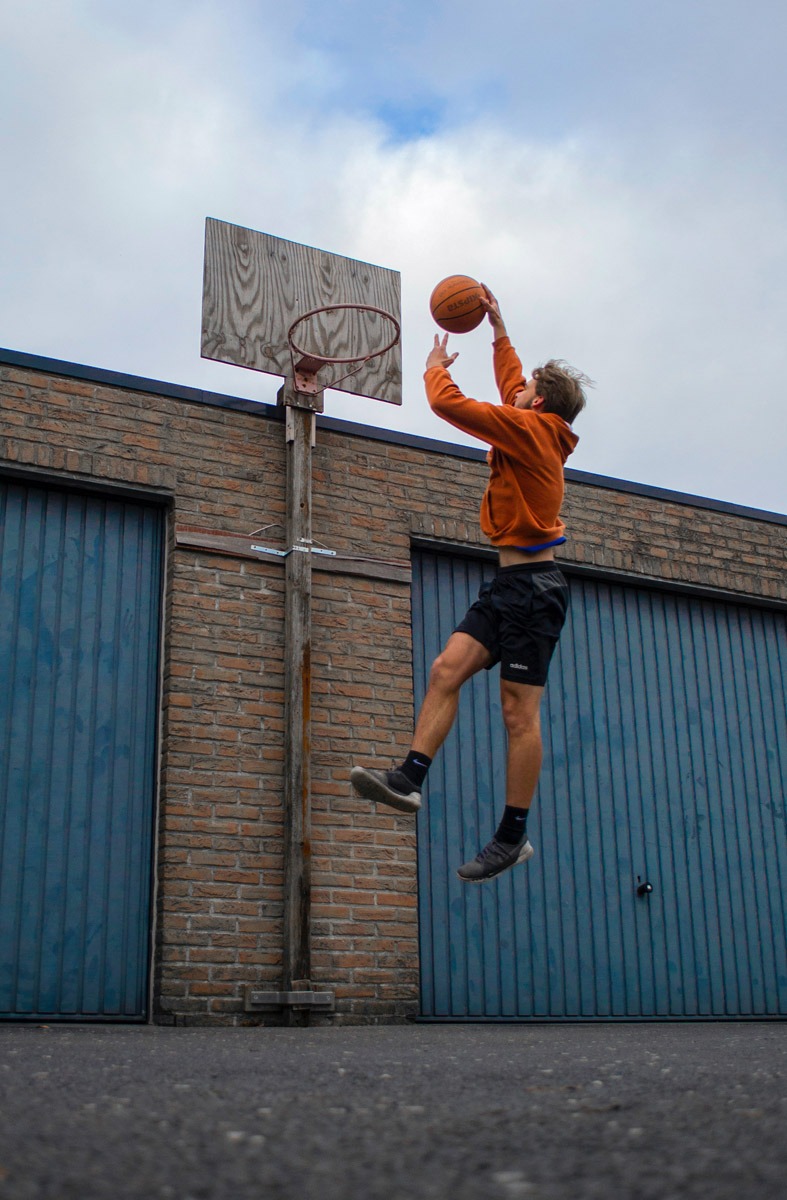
pixel 304 549
pixel 293 396
pixel 308 547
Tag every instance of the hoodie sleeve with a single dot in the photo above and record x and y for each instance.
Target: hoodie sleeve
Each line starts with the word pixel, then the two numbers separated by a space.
pixel 492 423
pixel 509 376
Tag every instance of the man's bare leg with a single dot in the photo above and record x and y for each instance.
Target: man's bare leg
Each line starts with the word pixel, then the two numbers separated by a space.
pixel 522 718
pixel 462 657
pixel 509 846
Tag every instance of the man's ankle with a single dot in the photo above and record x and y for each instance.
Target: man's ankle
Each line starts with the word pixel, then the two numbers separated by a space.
pixel 513 826
pixel 415 767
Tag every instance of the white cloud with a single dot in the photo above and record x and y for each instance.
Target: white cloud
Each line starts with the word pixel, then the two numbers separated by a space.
pixel 659 269
pixel 669 294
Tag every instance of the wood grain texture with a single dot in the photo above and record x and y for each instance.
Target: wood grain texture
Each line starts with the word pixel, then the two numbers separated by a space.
pixel 255 287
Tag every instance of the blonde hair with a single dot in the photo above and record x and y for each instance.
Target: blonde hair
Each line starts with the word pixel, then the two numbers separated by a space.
pixel 562 388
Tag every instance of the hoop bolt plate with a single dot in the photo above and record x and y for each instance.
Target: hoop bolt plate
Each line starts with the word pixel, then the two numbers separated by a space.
pixel 305 375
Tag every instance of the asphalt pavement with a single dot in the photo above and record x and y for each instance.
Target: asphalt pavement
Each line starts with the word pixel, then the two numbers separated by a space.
pixel 461 1112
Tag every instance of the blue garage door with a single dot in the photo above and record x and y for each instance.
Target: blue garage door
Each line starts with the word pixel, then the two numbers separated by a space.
pixel 665 733
pixel 80 582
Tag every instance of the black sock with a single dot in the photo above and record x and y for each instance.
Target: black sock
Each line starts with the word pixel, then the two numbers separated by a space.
pixel 415 767
pixel 513 827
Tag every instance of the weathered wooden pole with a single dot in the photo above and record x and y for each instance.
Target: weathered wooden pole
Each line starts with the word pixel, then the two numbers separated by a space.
pixel 300 427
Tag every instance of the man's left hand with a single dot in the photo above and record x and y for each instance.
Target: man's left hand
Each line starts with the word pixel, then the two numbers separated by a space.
pixel 438 356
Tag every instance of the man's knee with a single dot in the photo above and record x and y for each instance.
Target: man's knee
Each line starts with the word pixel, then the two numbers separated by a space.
pixel 445 674
pixel 521 708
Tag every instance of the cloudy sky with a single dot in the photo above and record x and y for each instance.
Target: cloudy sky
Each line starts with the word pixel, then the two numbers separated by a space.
pixel 614 169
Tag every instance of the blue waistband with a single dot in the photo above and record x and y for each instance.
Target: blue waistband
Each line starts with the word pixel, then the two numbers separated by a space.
pixel 544 546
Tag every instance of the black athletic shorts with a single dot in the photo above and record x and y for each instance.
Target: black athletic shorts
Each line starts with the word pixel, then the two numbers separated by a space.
pixel 518 617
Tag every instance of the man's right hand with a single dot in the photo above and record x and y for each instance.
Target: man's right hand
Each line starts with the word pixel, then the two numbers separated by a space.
pixel 492 309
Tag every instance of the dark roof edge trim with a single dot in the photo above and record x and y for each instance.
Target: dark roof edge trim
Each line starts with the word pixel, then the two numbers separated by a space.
pixel 137 383
pixel 657 493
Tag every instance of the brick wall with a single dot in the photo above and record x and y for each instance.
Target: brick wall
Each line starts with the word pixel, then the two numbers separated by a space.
pixel 220 465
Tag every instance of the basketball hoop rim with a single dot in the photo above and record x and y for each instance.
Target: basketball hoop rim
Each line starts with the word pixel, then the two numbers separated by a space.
pixel 356 358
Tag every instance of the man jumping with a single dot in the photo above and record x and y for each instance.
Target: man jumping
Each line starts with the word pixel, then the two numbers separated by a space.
pixel 518 617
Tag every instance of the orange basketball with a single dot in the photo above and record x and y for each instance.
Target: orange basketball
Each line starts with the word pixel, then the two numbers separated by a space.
pixel 456 304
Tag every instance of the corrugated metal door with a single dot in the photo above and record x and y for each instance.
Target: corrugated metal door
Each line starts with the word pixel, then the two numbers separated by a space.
pixel 666 763
pixel 80 582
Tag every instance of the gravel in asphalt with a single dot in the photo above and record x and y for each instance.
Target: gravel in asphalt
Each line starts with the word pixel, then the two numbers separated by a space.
pixel 461 1112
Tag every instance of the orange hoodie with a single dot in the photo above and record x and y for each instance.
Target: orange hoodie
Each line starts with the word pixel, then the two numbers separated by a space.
pixel 521 504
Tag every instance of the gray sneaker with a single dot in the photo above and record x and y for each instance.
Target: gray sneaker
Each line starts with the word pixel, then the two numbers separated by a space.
pixel 386 787
pixel 495 858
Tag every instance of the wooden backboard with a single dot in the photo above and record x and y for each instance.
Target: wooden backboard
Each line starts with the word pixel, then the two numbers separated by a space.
pixel 256 285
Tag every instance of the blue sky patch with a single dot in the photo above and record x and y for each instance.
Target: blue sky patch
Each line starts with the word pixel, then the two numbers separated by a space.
pixel 410 122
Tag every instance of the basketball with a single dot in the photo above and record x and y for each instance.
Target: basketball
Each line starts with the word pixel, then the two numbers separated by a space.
pixel 456 304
